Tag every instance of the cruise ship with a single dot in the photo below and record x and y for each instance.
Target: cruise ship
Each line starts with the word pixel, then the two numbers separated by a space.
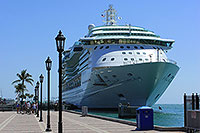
pixel 117 63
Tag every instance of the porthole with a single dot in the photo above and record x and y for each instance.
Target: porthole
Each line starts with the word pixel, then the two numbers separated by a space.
pixel 121 46
pixel 128 46
pixel 112 59
pixel 123 52
pixel 144 53
pixel 125 59
pixel 140 59
pixel 132 59
pixel 104 59
pixel 107 47
pixel 138 52
pixel 114 76
pixel 169 75
pixel 101 47
pixel 95 48
pixel 146 59
pixel 130 52
pixel 130 74
pixel 135 47
pixel 141 47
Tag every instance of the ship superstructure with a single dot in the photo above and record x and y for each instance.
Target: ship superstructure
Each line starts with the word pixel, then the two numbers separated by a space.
pixel 117 63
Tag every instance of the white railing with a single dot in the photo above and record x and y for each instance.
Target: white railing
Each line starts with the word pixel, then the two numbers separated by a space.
pixel 172 61
pixel 143 61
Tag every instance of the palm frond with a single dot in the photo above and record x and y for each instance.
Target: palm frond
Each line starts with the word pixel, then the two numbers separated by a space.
pixel 20 76
pixel 29 81
pixel 16 81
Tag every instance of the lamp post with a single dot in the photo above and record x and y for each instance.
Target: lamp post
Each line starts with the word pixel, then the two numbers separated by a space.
pixel 37 93
pixel 41 80
pixel 48 67
pixel 60 42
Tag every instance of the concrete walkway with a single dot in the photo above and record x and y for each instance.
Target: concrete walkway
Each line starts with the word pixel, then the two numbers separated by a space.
pixel 11 122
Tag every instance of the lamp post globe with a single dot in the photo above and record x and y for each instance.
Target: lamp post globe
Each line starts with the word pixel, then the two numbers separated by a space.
pixel 41 78
pixel 41 81
pixel 60 43
pixel 48 64
pixel 48 67
pixel 37 97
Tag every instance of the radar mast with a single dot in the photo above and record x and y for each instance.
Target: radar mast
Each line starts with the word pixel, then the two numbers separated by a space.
pixel 110 16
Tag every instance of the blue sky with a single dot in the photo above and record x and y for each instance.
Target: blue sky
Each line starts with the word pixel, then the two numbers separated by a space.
pixel 28 29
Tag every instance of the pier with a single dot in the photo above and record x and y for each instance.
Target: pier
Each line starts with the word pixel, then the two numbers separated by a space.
pixel 72 123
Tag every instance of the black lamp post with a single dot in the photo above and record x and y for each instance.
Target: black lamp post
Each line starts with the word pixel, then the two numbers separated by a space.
pixel 48 67
pixel 37 97
pixel 41 80
pixel 35 93
pixel 60 42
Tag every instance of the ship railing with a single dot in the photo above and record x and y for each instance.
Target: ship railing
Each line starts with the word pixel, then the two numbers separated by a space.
pixel 172 61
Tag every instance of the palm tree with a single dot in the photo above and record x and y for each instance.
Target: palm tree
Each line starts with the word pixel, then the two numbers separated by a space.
pixel 23 77
pixel 19 88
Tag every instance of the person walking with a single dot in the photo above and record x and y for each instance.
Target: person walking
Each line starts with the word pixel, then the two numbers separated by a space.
pixel 17 107
pixel 34 108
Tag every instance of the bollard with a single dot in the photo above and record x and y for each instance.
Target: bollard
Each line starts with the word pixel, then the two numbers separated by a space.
pixel 192 101
pixel 84 110
pixel 197 101
pixel 185 109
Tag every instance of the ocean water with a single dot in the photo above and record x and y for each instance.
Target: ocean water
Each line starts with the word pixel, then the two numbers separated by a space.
pixel 171 115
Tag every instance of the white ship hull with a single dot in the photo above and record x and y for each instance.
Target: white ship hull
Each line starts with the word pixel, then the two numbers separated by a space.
pixel 115 64
pixel 144 86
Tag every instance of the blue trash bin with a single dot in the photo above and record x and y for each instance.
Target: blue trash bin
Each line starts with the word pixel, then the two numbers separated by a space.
pixel 144 118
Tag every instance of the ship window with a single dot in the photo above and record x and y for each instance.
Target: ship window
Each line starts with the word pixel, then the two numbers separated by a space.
pixel 107 47
pixel 138 52
pixel 144 53
pixel 124 41
pixel 101 47
pixel 128 46
pixel 112 59
pixel 154 47
pixel 114 76
pixel 95 48
pixel 91 42
pixel 141 47
pixel 135 47
pixel 104 59
pixel 130 52
pixel 132 59
pixel 121 46
pixel 140 59
pixel 130 74
pixel 125 59
pixel 146 59
pixel 123 52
